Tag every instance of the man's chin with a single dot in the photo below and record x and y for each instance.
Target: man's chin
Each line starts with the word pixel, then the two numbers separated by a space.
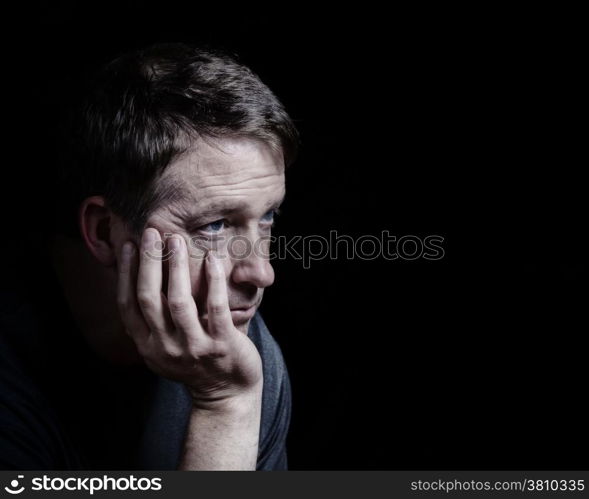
pixel 243 328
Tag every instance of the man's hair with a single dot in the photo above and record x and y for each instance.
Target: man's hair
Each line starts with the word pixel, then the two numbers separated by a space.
pixel 142 111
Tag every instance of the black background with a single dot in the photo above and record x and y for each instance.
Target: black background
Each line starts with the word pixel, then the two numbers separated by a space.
pixel 459 123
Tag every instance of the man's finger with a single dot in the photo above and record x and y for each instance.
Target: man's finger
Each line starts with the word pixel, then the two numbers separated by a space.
pixel 126 297
pixel 180 301
pixel 219 318
pixel 149 283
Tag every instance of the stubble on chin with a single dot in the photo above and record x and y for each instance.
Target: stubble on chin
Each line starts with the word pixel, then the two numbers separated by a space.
pixel 243 328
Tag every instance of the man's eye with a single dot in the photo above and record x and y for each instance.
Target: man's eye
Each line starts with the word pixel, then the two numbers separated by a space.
pixel 213 227
pixel 268 217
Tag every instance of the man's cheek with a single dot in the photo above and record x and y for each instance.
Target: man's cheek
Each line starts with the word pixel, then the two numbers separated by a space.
pixel 263 248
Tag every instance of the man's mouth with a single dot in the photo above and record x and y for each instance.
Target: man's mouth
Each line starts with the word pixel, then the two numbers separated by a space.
pixel 243 313
pixel 239 314
pixel 244 307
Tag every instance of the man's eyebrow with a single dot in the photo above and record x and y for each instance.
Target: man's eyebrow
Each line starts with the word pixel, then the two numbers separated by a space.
pixel 274 205
pixel 220 210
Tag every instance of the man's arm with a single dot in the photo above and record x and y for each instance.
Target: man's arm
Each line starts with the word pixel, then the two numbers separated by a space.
pixel 223 438
pixel 220 366
pixel 276 400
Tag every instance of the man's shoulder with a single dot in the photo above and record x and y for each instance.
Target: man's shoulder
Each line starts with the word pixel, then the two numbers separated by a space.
pixel 276 398
pixel 270 351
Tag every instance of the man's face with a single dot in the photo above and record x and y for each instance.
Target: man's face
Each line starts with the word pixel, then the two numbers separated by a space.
pixel 231 188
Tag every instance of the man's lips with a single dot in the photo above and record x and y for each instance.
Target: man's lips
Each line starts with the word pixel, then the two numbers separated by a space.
pixel 243 314
pixel 244 307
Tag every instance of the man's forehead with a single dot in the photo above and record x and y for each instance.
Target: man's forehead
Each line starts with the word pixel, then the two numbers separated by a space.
pixel 230 176
pixel 208 185
pixel 227 157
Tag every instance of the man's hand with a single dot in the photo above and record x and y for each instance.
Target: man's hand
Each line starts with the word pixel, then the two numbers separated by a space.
pixel 219 364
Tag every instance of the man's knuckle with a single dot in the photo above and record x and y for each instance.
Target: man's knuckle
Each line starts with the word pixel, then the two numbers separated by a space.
pixel 178 305
pixel 198 349
pixel 217 277
pixel 216 353
pixel 172 353
pixel 147 301
pixel 125 304
pixel 143 349
pixel 156 328
pixel 216 309
pixel 212 350
pixel 177 261
pixel 194 353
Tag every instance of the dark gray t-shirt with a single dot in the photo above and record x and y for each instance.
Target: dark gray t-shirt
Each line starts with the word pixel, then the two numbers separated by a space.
pixel 62 407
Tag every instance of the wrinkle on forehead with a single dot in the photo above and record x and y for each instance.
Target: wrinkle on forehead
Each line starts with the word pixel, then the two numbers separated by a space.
pixel 210 174
pixel 208 156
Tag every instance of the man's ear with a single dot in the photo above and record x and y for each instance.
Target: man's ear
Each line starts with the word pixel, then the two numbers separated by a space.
pixel 96 223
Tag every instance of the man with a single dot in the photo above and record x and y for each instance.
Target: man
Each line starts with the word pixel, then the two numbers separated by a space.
pixel 146 349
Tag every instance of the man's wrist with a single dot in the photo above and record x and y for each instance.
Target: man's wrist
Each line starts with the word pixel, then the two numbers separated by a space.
pixel 223 434
pixel 238 404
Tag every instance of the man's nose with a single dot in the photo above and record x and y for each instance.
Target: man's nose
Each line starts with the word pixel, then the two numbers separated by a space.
pixel 253 267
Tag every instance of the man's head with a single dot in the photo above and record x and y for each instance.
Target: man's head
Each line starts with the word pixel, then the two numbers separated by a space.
pixel 146 108
pixel 185 141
